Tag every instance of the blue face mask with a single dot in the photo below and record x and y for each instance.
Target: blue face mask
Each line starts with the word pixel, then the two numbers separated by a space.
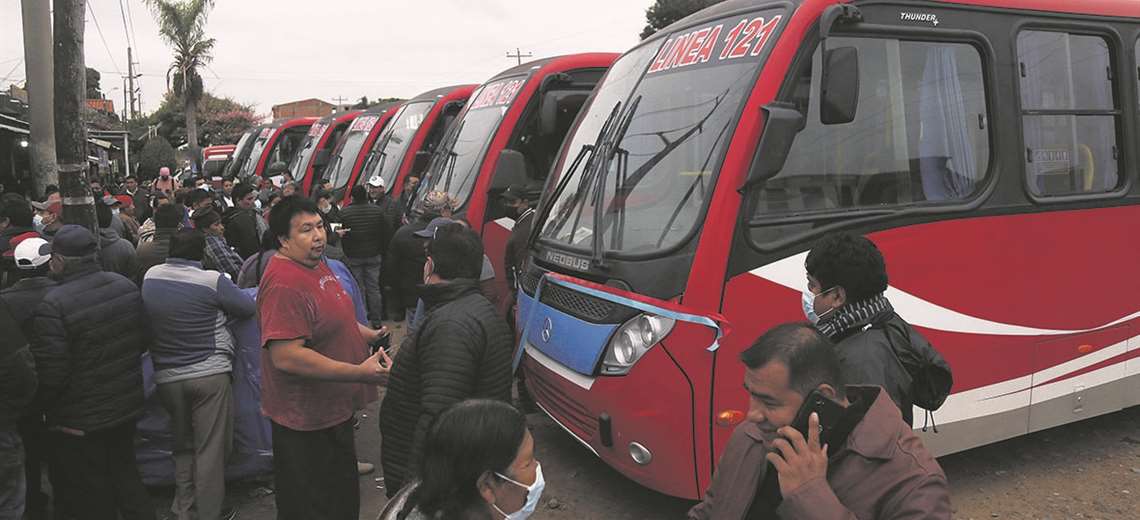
pixel 808 301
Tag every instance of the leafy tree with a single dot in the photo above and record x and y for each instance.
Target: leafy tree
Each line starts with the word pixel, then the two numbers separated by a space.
pixel 93 90
pixel 221 120
pixel 182 24
pixel 664 12
pixel 155 154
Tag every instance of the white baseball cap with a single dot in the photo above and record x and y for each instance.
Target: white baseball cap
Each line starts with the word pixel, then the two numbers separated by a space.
pixel 32 253
pixel 376 181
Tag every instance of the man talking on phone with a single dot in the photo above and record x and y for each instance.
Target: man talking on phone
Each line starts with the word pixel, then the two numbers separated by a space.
pixel 865 463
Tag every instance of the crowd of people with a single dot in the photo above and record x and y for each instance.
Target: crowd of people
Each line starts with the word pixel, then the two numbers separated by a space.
pixel 171 267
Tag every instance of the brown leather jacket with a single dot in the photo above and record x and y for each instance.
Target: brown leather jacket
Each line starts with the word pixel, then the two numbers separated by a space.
pixel 882 472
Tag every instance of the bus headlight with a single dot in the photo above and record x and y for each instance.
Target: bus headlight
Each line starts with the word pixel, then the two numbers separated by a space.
pixel 632 341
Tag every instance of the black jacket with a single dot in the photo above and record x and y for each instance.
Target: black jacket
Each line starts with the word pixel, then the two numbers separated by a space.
pixel 17 372
pixel 866 358
pixel 404 269
pixel 150 254
pixel 462 350
pixel 90 331
pixel 367 230
pixel 116 254
pixel 391 210
pixel 23 298
pixel 241 231
pixel 515 257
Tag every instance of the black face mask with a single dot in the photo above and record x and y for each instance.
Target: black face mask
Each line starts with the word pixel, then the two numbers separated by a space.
pixel 513 212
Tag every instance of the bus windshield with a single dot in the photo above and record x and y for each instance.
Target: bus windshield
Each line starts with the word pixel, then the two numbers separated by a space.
pixel 456 165
pixel 390 147
pixel 241 151
pixel 344 156
pixel 250 165
pixel 642 162
pixel 301 160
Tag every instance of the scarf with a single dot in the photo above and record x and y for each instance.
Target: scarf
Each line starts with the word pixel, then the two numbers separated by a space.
pixel 854 316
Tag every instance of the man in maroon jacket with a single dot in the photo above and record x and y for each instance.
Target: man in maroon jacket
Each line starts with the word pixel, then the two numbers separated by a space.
pixel 871 466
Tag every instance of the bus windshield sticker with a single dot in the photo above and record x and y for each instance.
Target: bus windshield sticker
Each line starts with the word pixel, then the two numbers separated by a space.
pixel 705 46
pixel 317 129
pixel 363 124
pixel 498 94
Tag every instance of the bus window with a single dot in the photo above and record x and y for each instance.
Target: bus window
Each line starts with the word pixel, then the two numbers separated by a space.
pixel 919 136
pixel 1068 113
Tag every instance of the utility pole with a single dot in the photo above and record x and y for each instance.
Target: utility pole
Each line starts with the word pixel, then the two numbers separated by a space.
pixel 131 81
pixel 38 64
pixel 70 132
pixel 519 55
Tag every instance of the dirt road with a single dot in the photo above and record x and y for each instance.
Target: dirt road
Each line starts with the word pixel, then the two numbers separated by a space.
pixel 1084 470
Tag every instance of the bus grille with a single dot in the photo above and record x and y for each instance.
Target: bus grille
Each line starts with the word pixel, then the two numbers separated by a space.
pixel 529 280
pixel 565 410
pixel 576 304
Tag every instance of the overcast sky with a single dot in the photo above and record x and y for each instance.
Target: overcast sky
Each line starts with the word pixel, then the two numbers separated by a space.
pixel 274 51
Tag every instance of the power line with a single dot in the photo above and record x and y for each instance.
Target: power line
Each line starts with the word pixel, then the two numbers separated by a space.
pixel 126 31
pixel 105 46
pixel 132 19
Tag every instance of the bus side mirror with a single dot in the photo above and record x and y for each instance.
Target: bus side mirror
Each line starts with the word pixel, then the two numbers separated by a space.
pixel 839 86
pixel 421 162
pixel 510 169
pixel 781 123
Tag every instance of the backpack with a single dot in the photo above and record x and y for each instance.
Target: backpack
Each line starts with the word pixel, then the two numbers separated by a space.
pixel 930 375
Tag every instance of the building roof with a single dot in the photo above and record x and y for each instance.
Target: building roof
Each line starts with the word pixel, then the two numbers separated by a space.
pixel 303 101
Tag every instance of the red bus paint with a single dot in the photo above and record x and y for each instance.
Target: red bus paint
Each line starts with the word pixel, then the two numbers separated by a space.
pixel 513 97
pixel 435 109
pixel 999 282
pixel 355 146
pixel 267 143
pixel 322 136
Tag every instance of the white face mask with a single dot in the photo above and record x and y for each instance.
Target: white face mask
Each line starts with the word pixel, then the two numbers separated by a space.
pixel 808 301
pixel 38 223
pixel 533 494
pixel 114 211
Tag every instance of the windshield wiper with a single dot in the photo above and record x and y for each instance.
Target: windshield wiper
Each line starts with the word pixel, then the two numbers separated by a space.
pixel 579 196
pixel 452 156
pixel 612 148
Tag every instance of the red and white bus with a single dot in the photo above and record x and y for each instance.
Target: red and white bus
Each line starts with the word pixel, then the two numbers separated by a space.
pixel 277 141
pixel 406 145
pixel 311 159
pixel 509 134
pixel 987 146
pixel 353 148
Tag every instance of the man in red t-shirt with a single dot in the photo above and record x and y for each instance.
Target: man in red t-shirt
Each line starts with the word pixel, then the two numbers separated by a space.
pixel 315 370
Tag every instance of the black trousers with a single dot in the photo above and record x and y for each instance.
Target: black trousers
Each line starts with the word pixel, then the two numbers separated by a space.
pixel 315 473
pixel 94 477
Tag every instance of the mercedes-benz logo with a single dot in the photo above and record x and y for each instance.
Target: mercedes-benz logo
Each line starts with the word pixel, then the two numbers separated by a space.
pixel 547 330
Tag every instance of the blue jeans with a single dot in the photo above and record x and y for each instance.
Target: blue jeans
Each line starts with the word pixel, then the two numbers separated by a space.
pixel 366 270
pixel 12 482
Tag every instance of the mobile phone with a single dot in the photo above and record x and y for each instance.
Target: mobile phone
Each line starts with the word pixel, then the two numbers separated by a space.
pixel 828 410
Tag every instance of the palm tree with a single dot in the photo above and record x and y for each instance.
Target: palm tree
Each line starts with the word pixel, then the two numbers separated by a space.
pixel 182 24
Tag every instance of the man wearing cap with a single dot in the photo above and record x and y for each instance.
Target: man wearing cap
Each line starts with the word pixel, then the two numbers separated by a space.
pixel 219 256
pixel 115 205
pixel 90 375
pixel 140 197
pixel 462 351
pixel 127 212
pixel 166 183
pixel 365 231
pixel 116 254
pixel 31 260
pixel 406 255
pixel 378 195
